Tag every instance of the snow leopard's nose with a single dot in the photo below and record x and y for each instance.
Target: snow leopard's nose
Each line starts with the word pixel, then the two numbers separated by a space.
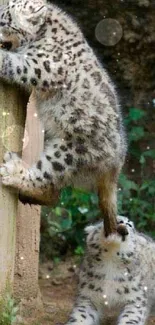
pixel 6 45
pixel 122 231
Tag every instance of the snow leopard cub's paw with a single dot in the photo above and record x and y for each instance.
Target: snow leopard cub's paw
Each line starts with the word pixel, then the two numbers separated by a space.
pixel 12 170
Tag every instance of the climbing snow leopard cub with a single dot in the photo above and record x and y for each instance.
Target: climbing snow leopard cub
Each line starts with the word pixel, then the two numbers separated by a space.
pixel 76 102
pixel 116 278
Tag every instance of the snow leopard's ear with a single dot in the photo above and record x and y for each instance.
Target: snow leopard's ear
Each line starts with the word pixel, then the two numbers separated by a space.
pixel 89 229
pixel 28 15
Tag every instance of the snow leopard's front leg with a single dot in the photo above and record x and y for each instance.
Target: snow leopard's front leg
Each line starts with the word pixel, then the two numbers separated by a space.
pixel 84 313
pixel 28 69
pixel 53 171
pixel 27 181
pixel 33 69
pixel 134 313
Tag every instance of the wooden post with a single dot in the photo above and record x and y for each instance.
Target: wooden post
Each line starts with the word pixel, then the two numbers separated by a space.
pixel 19 224
pixel 28 225
pixel 12 120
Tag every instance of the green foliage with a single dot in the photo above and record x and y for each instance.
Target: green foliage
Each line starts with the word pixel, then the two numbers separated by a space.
pixel 8 311
pixel 76 208
pixel 137 202
pixel 65 224
pixel 136 197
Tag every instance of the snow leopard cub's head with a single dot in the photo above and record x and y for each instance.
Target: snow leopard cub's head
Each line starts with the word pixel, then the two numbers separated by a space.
pixel 112 247
pixel 20 21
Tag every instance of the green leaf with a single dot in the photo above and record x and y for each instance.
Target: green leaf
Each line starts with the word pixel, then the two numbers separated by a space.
pixel 79 236
pixel 136 114
pixel 127 184
pixel 149 153
pixel 142 160
pixel 79 250
pixel 151 190
pixel 58 211
pixel 92 214
pixel 142 223
pixel 66 224
pixel 66 194
pixel 83 210
pixel 136 133
pixel 135 150
pixel 144 186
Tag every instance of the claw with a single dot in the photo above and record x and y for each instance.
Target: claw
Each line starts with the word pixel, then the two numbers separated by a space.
pixel 6 181
pixel 3 171
pixel 10 156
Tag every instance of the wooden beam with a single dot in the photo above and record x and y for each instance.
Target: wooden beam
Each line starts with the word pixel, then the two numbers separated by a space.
pixel 12 120
pixel 26 288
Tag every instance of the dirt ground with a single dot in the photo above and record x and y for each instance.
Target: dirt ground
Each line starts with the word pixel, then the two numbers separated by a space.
pixel 58 288
pixel 58 291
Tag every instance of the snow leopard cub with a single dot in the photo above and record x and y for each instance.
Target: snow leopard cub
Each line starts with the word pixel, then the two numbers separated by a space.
pixel 116 278
pixel 76 102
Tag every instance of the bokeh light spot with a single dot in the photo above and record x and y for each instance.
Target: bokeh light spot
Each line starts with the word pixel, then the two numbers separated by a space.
pixel 108 32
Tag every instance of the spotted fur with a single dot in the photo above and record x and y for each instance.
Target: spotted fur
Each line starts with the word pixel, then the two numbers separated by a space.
pixel 116 278
pixel 76 102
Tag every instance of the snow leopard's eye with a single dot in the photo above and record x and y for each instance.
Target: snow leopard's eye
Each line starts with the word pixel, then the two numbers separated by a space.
pixel 129 224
